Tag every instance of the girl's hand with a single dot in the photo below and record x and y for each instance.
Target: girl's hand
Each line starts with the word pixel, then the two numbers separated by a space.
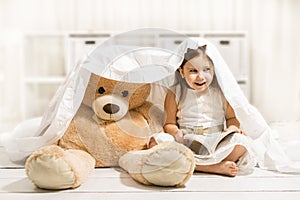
pixel 236 129
pixel 179 137
pixel 241 131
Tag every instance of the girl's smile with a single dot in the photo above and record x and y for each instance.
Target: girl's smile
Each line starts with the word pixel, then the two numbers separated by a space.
pixel 200 84
pixel 198 72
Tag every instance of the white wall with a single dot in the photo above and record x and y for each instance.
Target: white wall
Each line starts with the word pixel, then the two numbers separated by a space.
pixel 273 27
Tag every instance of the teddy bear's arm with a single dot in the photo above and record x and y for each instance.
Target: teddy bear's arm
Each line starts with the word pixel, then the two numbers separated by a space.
pixel 154 116
pixel 70 139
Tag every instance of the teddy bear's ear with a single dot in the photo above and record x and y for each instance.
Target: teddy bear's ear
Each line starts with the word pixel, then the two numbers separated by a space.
pixel 189 50
pixel 141 93
pixel 89 95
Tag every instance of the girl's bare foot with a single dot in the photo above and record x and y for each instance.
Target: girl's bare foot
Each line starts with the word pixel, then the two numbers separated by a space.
pixel 227 168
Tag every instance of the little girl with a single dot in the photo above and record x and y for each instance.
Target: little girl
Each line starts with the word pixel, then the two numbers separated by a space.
pixel 195 102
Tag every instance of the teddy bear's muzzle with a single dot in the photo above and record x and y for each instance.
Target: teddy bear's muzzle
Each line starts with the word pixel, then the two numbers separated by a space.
pixel 110 108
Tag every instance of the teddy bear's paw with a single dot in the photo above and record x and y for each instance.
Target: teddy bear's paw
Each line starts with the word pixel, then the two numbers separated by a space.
pixel 166 164
pixel 54 168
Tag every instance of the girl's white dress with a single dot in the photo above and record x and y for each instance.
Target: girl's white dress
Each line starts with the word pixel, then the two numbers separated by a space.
pixel 207 110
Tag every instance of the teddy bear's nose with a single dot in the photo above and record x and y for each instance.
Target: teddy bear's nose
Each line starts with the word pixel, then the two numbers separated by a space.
pixel 111 108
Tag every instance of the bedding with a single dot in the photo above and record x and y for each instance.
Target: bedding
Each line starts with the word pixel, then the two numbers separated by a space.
pixel 154 65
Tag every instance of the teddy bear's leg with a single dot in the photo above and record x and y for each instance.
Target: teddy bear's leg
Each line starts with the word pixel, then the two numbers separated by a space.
pixel 55 168
pixel 166 164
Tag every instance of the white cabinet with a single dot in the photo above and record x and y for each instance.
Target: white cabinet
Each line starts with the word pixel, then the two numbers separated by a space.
pixel 171 41
pixel 43 69
pixel 80 44
pixel 47 58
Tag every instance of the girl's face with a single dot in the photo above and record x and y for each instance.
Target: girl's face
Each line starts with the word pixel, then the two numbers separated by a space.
pixel 198 72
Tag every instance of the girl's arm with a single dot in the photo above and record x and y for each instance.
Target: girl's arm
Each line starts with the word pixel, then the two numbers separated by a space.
pixel 170 106
pixel 170 118
pixel 232 122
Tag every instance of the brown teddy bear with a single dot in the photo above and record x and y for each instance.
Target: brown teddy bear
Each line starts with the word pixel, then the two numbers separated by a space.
pixel 114 118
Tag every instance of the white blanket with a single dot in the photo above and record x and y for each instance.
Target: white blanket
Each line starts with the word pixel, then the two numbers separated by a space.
pixel 155 65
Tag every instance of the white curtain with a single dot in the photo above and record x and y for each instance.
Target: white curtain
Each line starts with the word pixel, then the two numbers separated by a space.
pixel 275 47
pixel 273 28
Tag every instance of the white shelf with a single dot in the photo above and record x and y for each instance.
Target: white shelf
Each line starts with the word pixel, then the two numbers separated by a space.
pixel 44 80
pixel 79 44
pixel 44 55
pixel 48 56
pixel 43 70
pixel 37 96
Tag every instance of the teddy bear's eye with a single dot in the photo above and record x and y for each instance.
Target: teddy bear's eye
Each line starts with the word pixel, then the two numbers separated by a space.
pixel 125 93
pixel 101 90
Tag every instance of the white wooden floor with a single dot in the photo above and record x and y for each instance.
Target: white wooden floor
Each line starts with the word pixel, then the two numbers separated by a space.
pixel 114 183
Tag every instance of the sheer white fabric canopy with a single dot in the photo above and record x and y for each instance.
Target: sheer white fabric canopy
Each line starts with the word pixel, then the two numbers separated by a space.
pixel 118 59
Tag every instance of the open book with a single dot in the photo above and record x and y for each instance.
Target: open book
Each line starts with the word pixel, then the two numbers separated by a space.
pixel 206 144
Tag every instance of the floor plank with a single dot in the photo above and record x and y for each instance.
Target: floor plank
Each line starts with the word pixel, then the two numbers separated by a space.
pixel 119 172
pixel 115 183
pixel 112 180
pixel 156 195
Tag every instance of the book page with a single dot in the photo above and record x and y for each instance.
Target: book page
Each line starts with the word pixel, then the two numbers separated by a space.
pixel 205 144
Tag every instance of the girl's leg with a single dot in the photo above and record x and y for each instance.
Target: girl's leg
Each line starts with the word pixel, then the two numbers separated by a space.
pixel 236 153
pixel 226 166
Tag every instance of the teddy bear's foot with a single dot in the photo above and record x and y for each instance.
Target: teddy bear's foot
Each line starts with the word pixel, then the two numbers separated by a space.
pixel 166 164
pixel 55 168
